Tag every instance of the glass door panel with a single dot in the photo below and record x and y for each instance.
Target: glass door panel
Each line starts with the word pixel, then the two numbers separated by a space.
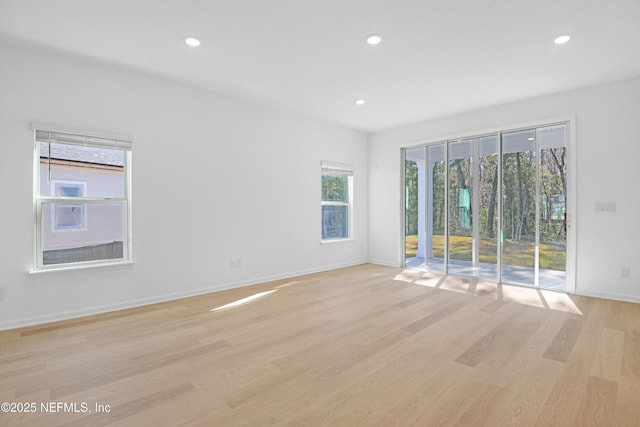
pixel 460 237
pixel 415 189
pixel 553 196
pixel 436 207
pixel 488 191
pixel 519 207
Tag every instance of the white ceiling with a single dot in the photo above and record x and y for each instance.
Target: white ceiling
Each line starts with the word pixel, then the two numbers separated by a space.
pixel 437 57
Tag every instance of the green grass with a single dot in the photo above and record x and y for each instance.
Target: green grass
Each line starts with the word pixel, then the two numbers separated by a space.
pixel 517 253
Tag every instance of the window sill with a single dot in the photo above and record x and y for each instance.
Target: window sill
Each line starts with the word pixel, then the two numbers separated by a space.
pixel 336 241
pixel 81 267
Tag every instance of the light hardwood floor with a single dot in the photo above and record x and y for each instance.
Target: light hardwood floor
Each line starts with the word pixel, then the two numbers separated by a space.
pixel 361 346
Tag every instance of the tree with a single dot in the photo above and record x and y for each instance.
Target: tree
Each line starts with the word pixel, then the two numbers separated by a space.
pixel 411 197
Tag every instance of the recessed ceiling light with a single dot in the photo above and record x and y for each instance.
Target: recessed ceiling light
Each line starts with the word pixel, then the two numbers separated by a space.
pixel 562 39
pixel 359 101
pixel 374 39
pixel 192 41
pixel 530 139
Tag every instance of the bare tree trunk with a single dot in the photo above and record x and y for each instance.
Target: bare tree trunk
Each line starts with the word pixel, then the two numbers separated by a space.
pixel 561 166
pixel 521 197
pixel 492 204
pixel 461 177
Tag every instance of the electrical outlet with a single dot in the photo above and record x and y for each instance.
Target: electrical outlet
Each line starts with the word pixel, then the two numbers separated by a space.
pixel 609 207
pixel 624 272
pixel 235 263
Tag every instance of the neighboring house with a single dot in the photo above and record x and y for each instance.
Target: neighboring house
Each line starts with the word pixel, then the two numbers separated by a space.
pixel 71 231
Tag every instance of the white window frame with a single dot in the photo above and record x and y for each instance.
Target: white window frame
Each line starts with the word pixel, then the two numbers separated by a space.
pixel 51 134
pixel 338 169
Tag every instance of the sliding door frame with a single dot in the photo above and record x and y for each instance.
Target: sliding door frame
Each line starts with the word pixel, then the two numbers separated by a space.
pixel 571 196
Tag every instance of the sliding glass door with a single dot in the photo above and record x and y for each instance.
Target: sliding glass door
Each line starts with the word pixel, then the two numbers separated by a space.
pixel 460 236
pixel 519 207
pixel 436 207
pixel 488 206
pixel 553 206
pixel 492 206
pixel 414 210
pixel 425 207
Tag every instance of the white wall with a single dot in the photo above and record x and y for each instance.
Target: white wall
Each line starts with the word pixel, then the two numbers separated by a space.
pixel 608 169
pixel 214 179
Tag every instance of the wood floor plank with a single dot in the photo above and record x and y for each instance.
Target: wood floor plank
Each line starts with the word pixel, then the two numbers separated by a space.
pixel 78 380
pixel 527 395
pixel 512 369
pixel 609 355
pixel 487 401
pixel 421 406
pixel 365 345
pixel 626 410
pixel 563 343
pixel 600 402
pixel 493 306
pixel 630 364
pixel 434 317
pixel 428 293
pixel 567 392
pixel 502 342
pixel 171 411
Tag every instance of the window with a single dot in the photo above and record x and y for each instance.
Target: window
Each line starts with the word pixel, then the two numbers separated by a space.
pixel 337 189
pixel 81 199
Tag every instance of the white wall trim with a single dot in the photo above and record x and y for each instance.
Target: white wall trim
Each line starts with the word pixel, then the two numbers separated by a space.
pixel 609 295
pixel 74 314
pixel 384 262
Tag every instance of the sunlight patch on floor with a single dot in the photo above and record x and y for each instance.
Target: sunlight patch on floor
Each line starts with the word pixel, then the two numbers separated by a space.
pixel 424 278
pixel 243 301
pixel 288 284
pixel 549 300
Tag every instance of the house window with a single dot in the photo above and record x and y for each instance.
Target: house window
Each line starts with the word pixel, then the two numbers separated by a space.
pixel 82 203
pixel 337 196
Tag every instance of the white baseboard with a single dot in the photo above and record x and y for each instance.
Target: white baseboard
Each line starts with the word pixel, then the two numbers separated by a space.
pixel 384 262
pixel 56 317
pixel 608 295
